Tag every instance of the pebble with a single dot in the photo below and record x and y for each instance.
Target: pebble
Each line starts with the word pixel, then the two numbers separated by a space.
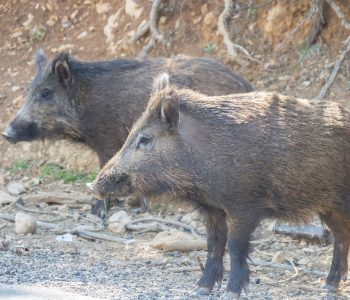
pixel 6 198
pixel 25 223
pixel 118 221
pixel 15 188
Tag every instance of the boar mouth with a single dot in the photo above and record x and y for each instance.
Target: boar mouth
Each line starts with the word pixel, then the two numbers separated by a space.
pixel 17 134
pixel 113 187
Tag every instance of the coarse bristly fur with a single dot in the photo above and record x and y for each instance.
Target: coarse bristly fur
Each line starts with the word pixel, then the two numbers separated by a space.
pixel 96 103
pixel 241 158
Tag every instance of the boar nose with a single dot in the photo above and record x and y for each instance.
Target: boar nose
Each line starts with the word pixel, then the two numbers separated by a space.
pixel 93 187
pixel 10 135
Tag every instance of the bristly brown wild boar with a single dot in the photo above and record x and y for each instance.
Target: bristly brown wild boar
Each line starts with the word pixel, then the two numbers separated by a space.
pixel 240 159
pixel 96 103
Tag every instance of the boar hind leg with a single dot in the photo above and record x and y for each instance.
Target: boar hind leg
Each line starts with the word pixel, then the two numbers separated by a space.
pixel 217 236
pixel 238 245
pixel 339 224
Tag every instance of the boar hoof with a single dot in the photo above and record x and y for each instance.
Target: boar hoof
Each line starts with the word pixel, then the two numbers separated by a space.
pixel 203 291
pixel 98 209
pixel 330 288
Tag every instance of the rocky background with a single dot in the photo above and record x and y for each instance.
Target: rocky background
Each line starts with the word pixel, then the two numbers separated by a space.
pixel 292 48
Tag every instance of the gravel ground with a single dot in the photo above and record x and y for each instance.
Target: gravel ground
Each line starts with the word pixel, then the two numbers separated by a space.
pixel 40 264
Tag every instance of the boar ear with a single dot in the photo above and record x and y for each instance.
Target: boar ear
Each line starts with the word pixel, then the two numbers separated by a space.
pixel 40 59
pixel 60 67
pixel 160 83
pixel 170 112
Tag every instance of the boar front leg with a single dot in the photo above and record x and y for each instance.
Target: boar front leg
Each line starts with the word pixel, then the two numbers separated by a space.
pixel 217 237
pixel 238 245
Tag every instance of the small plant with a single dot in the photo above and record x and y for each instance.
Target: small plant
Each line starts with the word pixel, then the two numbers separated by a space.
pixel 57 172
pixel 20 166
pixel 252 12
pixel 210 48
pixel 37 34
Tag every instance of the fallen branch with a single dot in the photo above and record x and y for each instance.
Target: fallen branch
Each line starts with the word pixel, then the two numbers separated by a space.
pixel 77 231
pixel 155 34
pixel 174 223
pixel 74 200
pixel 257 263
pixel 335 71
pixel 235 51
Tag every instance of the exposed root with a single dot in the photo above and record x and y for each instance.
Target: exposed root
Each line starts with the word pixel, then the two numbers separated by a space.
pixel 153 27
pixel 140 32
pixel 235 51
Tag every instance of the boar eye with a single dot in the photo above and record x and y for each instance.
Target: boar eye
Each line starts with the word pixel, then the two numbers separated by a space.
pixel 46 94
pixel 143 141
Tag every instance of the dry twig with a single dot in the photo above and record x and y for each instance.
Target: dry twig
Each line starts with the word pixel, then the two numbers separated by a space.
pixel 235 51
pixel 140 32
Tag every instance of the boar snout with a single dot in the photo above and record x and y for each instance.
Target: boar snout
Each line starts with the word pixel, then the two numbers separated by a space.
pixel 106 185
pixel 23 131
pixel 10 135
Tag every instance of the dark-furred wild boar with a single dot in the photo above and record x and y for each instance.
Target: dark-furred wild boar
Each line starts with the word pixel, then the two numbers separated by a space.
pixel 96 103
pixel 240 159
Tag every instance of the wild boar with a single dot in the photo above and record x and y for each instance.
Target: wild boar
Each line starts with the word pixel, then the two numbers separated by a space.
pixel 240 159
pixel 96 103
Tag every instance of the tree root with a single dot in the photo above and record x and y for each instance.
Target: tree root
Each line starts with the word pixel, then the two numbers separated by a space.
pixel 235 51
pixel 153 27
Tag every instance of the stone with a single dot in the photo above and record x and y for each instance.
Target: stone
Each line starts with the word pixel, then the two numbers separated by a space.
pixel 6 198
pixel 210 19
pixel 102 8
pixel 117 222
pixel 82 35
pixel 86 207
pixel 15 188
pixel 133 9
pixel 25 223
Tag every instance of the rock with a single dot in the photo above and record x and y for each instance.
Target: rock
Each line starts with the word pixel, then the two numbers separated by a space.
pixel 118 221
pixel 93 218
pixel 102 8
pixel 15 88
pixel 6 198
pixel 210 19
pixel 204 9
pixel 162 20
pixel 111 27
pixel 52 20
pixel 66 23
pixel 176 240
pixel 74 14
pixel 65 47
pixel 25 223
pixel 29 20
pixel 133 9
pixel 82 35
pixel 63 208
pixel 15 188
pixel 278 258
pixel 86 207
pixel 303 261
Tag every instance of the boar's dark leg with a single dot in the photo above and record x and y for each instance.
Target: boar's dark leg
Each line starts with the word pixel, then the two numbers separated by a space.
pixel 340 226
pixel 99 208
pixel 217 237
pixel 238 245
